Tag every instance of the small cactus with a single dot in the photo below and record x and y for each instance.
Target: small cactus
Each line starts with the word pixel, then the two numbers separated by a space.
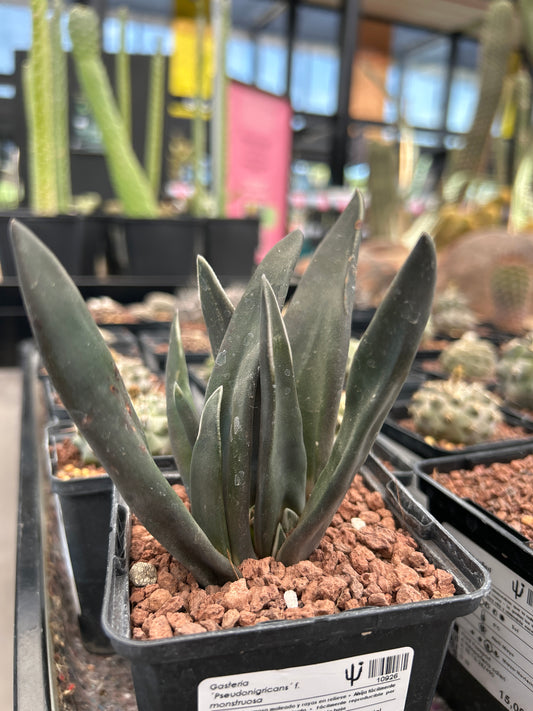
pixel 451 314
pixel 515 372
pixel 456 411
pixel 476 357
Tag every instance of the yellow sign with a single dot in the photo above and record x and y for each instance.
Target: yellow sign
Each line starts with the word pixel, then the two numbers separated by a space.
pixel 183 62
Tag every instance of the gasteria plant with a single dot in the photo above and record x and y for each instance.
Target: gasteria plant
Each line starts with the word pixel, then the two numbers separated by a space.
pixel 263 466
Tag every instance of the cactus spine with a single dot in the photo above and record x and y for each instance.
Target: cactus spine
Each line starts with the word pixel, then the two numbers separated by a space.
pixel 510 286
pixel 39 82
pixel 154 124
pixel 128 178
pixel 123 74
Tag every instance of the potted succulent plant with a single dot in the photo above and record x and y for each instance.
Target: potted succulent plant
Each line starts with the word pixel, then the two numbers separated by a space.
pixel 264 467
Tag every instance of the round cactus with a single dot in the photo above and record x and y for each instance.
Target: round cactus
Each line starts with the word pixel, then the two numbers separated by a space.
pixel 454 410
pixel 475 357
pixel 452 315
pixel 515 372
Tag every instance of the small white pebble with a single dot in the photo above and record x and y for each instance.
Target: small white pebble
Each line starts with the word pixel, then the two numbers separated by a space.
pixel 142 574
pixel 358 523
pixel 291 598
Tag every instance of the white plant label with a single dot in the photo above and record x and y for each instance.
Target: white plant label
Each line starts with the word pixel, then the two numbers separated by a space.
pixel 495 643
pixel 373 682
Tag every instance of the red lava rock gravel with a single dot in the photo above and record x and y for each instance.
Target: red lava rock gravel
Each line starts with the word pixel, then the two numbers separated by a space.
pixel 503 489
pixel 364 559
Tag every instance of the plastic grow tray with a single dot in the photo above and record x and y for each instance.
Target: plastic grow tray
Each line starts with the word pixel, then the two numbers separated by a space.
pixel 488 666
pixel 417 444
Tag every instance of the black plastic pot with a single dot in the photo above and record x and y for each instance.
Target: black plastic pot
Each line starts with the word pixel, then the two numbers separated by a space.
pixel 158 247
pixel 85 505
pixel 316 659
pixel 230 246
pixel 75 240
pixel 416 443
pixel 489 664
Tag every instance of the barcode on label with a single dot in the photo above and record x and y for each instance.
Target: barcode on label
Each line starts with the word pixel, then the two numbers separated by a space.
pixel 530 597
pixel 388 665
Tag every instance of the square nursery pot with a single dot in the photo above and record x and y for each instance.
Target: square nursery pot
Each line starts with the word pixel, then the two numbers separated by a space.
pixel 77 241
pixel 85 507
pixel 162 247
pixel 417 444
pixel 384 658
pixel 230 246
pixel 489 665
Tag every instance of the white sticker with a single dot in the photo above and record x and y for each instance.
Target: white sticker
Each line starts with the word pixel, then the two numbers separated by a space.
pixel 495 643
pixel 373 682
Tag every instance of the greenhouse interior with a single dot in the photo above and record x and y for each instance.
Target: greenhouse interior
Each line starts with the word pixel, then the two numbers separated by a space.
pixel 194 478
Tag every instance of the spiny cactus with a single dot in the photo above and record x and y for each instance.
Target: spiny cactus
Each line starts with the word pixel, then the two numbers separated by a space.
pixel 455 411
pixel 60 108
pixel 383 189
pixel 451 314
pixel 39 90
pixel 263 468
pixel 510 287
pixel 153 149
pixel 123 73
pixel 515 372
pixel 127 176
pixel 476 357
pixel 496 45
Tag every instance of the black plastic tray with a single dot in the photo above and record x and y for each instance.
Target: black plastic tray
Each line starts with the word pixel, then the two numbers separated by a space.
pixel 476 639
pixel 416 443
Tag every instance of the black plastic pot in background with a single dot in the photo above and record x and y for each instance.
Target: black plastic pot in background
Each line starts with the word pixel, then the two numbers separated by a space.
pixel 230 246
pixel 488 666
pixel 75 240
pixel 165 247
pixel 417 444
pixel 170 673
pixel 85 505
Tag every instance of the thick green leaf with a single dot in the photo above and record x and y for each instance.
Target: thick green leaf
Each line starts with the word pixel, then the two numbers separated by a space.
pixel 206 476
pixel 181 413
pixel 217 309
pixel 236 368
pixel 87 380
pixel 381 364
pixel 281 473
pixel 318 322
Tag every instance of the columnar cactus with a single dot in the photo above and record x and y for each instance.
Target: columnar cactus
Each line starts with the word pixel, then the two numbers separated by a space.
pixel 263 468
pixel 123 74
pixel 153 151
pixel 455 411
pixel 476 357
pixel 127 176
pixel 38 86
pixel 496 45
pixel 515 372
pixel 60 108
pixel 511 284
